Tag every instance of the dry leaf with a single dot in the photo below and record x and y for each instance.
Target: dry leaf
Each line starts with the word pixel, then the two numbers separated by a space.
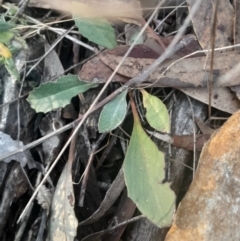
pixel 182 141
pixel 96 71
pixel 63 223
pixel 195 70
pixel 202 22
pixel 210 209
pixel 191 72
pixel 44 197
pixel 95 8
pixel 187 141
pixel 222 98
pixel 112 194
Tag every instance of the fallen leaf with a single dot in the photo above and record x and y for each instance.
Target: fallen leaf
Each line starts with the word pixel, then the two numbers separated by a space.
pixel 95 9
pixel 182 141
pixel 63 223
pixel 184 74
pixel 7 144
pixel 124 212
pixel 222 98
pixel 95 71
pixel 110 197
pixel 210 209
pixel 187 141
pixel 202 22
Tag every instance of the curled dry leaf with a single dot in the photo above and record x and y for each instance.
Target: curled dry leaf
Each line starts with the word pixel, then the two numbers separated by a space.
pixel 210 209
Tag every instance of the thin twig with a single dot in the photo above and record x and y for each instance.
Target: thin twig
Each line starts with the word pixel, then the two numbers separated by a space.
pixel 89 111
pixel 135 81
pixel 198 52
pixel 62 31
pixel 162 21
pixel 87 169
pixel 213 37
pixel 194 137
pixel 49 50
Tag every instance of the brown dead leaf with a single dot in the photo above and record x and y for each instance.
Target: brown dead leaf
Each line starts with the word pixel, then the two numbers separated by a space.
pixel 202 22
pixel 185 74
pixel 187 141
pixel 182 141
pixel 96 71
pixel 112 194
pixel 195 70
pixel 210 210
pixel 125 211
pixel 205 129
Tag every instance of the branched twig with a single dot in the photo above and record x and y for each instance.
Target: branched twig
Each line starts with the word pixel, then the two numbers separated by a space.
pixel 135 81
pixel 49 50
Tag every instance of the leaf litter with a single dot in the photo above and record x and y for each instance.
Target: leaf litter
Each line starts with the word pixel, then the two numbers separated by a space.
pixel 191 76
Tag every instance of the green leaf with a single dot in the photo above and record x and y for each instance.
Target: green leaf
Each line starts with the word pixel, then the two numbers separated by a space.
pixel 57 94
pixel 113 113
pixel 157 114
pixel 5 26
pixel 144 172
pixel 5 37
pixel 98 31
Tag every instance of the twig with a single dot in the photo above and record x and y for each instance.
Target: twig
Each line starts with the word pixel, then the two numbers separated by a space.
pixel 88 112
pixel 87 169
pixel 50 49
pixel 194 136
pixel 175 9
pixel 213 37
pixel 142 77
pixel 135 81
pixel 198 52
pixel 62 31
pixel 126 222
